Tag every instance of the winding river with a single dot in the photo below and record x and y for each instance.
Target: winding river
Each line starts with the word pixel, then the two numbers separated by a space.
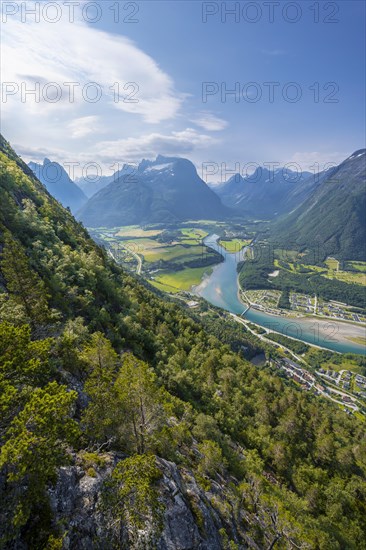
pixel 221 289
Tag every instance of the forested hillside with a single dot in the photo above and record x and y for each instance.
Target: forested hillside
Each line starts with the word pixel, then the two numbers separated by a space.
pixel 125 424
pixel 333 217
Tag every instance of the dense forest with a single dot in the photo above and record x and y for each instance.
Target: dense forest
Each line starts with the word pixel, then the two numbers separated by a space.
pixel 295 345
pixel 99 373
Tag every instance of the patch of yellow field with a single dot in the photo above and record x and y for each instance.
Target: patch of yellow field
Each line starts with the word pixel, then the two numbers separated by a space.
pixel 173 252
pixel 142 246
pixel 360 266
pixel 332 263
pixel 136 231
pixel 334 273
pixel 180 280
pixel 194 233
pixel 234 245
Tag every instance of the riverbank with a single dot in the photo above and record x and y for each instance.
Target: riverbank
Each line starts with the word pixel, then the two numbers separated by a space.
pixel 272 342
pixel 330 330
pixel 339 330
pixel 221 289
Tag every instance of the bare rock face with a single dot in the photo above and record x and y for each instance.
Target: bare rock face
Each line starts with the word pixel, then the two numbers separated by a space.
pixel 190 522
pixel 74 501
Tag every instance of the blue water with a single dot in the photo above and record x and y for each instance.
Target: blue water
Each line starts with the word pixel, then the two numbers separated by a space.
pixel 221 289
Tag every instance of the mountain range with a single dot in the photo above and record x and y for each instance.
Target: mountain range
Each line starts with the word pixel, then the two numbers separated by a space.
pixel 127 421
pixel 265 193
pixel 59 184
pixel 92 184
pixel 333 216
pixel 166 190
pixel 326 211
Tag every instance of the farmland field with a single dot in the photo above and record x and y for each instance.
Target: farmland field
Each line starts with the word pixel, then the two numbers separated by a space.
pixel 332 264
pixel 136 231
pixel 173 259
pixel 176 252
pixel 192 235
pixel 234 245
pixel 331 270
pixel 359 266
pixel 335 272
pixel 143 246
pixel 348 277
pixel 180 280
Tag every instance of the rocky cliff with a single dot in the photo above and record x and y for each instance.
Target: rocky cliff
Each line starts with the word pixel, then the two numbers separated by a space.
pixel 192 519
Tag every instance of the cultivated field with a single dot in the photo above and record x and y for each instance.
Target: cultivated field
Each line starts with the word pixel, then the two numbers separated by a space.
pixel 180 280
pixel 331 271
pixel 234 245
pixel 164 253
pixel 136 231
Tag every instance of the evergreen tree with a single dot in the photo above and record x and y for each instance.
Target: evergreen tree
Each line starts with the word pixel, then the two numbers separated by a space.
pixel 141 401
pixel 35 446
pixel 22 282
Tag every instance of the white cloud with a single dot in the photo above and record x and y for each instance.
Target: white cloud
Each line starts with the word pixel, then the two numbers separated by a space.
pixel 38 53
pixel 111 154
pixel 74 129
pixel 210 122
pixel 150 145
pixel 38 154
pixel 83 126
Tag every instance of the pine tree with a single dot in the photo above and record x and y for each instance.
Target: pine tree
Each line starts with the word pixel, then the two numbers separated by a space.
pixel 141 402
pixel 23 284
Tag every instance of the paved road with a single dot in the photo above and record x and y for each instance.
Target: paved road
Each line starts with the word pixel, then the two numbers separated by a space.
pixel 139 261
pixel 262 337
pixel 299 359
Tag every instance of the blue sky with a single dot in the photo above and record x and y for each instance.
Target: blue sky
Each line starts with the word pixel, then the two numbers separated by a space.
pixel 168 53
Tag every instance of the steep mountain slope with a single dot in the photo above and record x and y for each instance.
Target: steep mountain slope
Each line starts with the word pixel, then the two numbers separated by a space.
pixel 124 424
pixel 58 183
pixel 91 185
pixel 265 193
pixel 333 217
pixel 164 190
